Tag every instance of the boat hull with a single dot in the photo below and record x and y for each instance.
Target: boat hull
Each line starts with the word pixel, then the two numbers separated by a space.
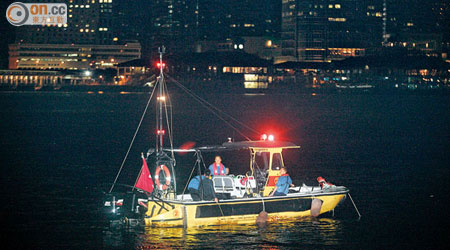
pixel 238 211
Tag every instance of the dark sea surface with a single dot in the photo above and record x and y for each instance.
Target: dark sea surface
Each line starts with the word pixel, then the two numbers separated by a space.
pixel 60 150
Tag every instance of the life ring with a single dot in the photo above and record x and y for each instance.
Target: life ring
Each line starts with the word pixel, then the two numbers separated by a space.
pixel 167 175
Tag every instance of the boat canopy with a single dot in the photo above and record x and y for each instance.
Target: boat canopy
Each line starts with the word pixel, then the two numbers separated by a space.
pixel 227 146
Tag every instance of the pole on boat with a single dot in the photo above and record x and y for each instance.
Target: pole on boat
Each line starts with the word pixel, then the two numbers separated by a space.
pixel 354 206
pixel 161 98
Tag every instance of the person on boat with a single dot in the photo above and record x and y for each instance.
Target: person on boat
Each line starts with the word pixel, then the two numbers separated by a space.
pixel 207 188
pixel 201 187
pixel 217 168
pixel 283 184
pixel 194 187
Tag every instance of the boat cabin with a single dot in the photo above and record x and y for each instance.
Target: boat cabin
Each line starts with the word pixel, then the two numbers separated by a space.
pixel 266 160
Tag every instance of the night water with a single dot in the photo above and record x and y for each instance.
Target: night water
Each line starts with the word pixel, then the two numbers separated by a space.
pixel 60 151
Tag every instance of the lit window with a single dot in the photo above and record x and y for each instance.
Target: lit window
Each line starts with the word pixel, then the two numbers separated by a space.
pixel 81 30
pixel 330 6
pixel 337 6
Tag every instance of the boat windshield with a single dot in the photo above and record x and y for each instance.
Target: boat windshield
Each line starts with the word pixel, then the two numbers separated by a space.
pixel 276 161
pixel 262 160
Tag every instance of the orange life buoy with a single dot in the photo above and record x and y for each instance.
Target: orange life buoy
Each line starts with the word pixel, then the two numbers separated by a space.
pixel 167 175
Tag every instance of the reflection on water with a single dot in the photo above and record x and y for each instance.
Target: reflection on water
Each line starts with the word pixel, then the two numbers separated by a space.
pixel 306 231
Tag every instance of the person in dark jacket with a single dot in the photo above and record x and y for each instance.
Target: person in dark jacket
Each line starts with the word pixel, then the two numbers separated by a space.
pixel 208 187
pixel 201 187
pixel 194 187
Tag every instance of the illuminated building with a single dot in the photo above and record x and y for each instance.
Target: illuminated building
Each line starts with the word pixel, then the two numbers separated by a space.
pixel 88 22
pixel 418 26
pixel 222 69
pixel 70 56
pixel 326 30
pixel 88 40
pixel 184 25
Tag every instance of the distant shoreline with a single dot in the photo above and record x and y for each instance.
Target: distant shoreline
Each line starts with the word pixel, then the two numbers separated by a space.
pixel 102 89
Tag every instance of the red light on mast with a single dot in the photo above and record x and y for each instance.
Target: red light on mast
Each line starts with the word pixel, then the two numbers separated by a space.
pixel 160 132
pixel 159 65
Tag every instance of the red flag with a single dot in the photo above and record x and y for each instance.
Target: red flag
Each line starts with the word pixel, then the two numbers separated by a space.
pixel 145 181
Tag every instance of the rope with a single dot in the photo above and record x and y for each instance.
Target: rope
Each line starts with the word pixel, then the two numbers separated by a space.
pixel 220 208
pixel 132 141
pixel 214 110
pixel 354 206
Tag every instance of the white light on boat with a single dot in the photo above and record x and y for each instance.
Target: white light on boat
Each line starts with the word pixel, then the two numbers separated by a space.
pixel 87 73
pixel 161 98
pixel 271 138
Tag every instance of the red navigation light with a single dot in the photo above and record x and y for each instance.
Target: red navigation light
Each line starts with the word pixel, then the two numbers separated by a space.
pixel 264 137
pixel 271 138
pixel 159 65
pixel 160 132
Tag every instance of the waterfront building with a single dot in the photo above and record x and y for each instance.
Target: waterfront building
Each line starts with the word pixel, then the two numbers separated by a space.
pixel 71 56
pixel 136 72
pixel 227 70
pixel 93 38
pixel 42 78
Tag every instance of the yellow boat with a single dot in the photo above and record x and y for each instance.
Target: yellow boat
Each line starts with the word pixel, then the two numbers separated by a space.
pixel 246 196
pixel 247 201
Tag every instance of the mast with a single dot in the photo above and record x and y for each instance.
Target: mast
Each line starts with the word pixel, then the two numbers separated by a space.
pixel 161 98
pixel 162 159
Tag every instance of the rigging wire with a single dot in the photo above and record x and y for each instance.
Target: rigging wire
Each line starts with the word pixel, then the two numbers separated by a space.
pixel 132 141
pixel 211 108
pixel 190 176
pixel 217 109
pixel 169 124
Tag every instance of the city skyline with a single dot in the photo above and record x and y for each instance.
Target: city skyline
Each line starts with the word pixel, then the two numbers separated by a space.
pixel 331 30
